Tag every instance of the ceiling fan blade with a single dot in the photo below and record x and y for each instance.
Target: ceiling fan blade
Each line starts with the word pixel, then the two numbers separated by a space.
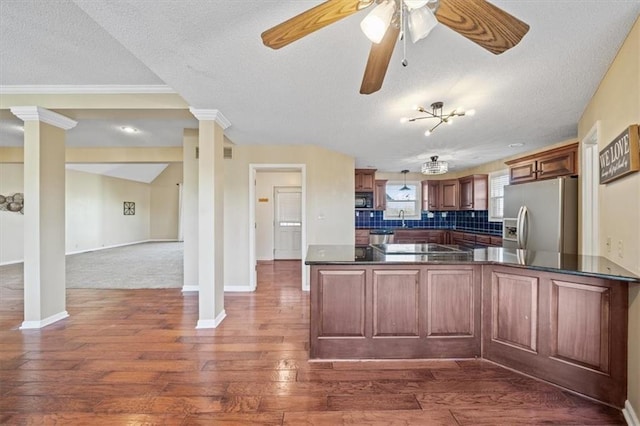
pixel 482 23
pixel 378 62
pixel 309 21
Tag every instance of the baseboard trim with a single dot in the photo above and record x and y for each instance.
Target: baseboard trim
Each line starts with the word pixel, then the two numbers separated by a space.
pixel 187 288
pixel 212 323
pixel 630 415
pixel 238 288
pixel 27 325
pixel 11 262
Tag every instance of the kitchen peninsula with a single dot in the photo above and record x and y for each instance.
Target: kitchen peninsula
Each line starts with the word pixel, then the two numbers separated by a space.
pixel 558 317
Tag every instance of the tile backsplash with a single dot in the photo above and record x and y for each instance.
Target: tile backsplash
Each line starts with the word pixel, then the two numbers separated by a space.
pixel 464 220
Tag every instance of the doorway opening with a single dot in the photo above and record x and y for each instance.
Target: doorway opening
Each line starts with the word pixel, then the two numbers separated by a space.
pixel 277 216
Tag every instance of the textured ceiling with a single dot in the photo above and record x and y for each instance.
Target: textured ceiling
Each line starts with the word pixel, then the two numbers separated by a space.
pixel 210 52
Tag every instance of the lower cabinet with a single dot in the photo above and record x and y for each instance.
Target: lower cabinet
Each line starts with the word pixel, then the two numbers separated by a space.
pixel 382 311
pixel 565 329
pixel 419 236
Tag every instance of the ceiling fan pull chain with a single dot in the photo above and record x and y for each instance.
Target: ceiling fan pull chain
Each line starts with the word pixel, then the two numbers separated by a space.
pixel 404 38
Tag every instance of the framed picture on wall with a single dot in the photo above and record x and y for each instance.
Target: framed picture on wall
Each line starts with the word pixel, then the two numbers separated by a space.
pixel 129 208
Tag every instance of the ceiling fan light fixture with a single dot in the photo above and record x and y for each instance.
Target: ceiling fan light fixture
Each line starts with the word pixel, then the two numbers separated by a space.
pixel 435 167
pixel 421 21
pixel 415 4
pixel 375 24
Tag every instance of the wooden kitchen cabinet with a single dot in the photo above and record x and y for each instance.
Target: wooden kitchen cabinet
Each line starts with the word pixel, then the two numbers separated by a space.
pixel 362 237
pixel 440 194
pixel 419 236
pixel 430 195
pixel 567 329
pixel 474 192
pixel 562 161
pixel 380 195
pixel 365 179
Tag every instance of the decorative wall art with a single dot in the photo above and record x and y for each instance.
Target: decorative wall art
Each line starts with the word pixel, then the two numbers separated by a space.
pixel 621 156
pixel 12 203
pixel 129 208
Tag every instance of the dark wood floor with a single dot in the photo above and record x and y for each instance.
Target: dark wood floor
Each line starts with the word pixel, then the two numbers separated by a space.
pixel 133 357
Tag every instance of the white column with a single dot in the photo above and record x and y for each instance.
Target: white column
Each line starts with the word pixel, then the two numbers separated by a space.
pixel 190 210
pixel 210 217
pixel 44 215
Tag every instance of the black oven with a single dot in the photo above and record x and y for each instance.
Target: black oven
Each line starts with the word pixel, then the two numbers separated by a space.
pixel 364 200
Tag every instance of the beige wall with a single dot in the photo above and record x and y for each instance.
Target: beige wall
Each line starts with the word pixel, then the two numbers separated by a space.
pixel 329 200
pixel 616 104
pixel 165 203
pixel 11 224
pixel 94 212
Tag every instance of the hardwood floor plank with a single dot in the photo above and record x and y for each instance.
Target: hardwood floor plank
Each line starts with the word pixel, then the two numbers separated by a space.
pixel 140 365
pixel 193 389
pixel 40 403
pixel 235 419
pixel 231 376
pixel 600 416
pixel 131 377
pixel 379 401
pixel 92 419
pixel 93 390
pixel 371 418
pixel 265 364
pixel 178 405
pixel 358 375
pixel 293 403
pixel 473 400
pixel 437 365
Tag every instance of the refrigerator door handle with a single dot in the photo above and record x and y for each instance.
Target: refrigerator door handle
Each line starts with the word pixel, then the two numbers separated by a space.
pixel 519 229
pixel 524 230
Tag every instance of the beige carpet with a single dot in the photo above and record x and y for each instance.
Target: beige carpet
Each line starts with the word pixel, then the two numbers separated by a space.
pixel 146 265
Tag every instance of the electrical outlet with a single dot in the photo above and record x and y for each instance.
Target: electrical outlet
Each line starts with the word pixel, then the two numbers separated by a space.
pixel 371 214
pixel 608 244
pixel 620 249
pixel 430 215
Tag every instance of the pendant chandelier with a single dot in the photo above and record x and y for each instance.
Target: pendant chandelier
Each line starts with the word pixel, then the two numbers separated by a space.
pixel 435 167
pixel 405 187
pixel 437 113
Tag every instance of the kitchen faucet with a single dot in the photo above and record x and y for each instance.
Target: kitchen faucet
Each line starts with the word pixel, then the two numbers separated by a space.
pixel 401 215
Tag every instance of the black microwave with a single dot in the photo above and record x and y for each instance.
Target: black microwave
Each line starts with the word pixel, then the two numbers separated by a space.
pixel 364 200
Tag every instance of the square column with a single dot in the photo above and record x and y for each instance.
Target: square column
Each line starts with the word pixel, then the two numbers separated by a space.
pixel 190 210
pixel 44 215
pixel 210 217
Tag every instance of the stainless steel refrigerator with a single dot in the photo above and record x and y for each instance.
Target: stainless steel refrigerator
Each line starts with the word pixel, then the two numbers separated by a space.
pixel 542 216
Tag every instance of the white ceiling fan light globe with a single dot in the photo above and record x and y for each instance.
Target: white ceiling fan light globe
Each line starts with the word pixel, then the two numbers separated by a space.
pixel 415 4
pixel 375 24
pixel 421 21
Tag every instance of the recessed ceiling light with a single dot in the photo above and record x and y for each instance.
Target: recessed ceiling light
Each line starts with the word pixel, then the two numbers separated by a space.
pixel 516 145
pixel 129 129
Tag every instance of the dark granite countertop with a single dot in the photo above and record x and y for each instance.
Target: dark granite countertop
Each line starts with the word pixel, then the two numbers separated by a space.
pixel 593 266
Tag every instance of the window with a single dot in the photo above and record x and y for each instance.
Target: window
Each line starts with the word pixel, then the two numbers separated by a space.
pixel 407 200
pixel 497 182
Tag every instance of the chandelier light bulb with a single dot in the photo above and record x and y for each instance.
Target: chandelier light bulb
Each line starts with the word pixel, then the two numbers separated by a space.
pixel 449 121
pixel 471 112
pixel 427 133
pixel 404 120
pixel 415 4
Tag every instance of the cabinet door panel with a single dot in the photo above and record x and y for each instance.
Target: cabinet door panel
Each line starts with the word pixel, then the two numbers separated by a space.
pixel 342 303
pixel 523 172
pixel 580 324
pixel 449 196
pixel 450 303
pixel 466 193
pixel 514 310
pixel 395 302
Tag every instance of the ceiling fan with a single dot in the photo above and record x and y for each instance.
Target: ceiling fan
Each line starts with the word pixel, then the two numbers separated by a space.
pixel 478 20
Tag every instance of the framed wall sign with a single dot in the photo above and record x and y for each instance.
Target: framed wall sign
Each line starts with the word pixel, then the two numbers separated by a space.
pixel 129 208
pixel 621 156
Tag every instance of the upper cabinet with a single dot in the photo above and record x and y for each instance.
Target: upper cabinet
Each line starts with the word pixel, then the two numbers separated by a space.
pixel 365 179
pixel 440 194
pixel 380 195
pixel 562 161
pixel 474 192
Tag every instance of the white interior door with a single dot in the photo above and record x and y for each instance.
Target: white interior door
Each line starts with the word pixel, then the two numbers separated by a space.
pixel 287 223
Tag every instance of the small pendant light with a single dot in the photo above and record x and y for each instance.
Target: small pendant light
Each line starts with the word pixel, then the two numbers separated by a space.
pixel 405 187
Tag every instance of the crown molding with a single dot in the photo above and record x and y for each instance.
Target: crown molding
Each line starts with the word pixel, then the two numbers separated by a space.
pixel 210 115
pixel 36 113
pixel 67 89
